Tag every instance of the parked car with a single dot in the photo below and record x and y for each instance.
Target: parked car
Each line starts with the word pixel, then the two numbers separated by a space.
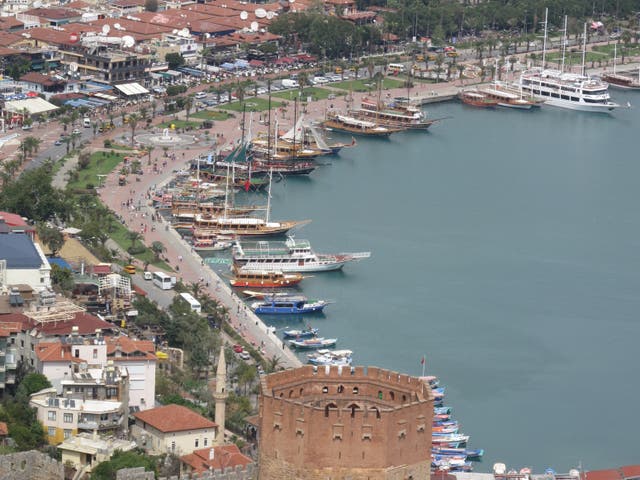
pixel 245 356
pixel 238 348
pixel 58 142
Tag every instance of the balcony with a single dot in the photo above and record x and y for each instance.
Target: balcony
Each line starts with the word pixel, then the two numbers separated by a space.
pixel 100 425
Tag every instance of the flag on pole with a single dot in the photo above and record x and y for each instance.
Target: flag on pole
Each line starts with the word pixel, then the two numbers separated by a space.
pixel 247 185
pixel 422 360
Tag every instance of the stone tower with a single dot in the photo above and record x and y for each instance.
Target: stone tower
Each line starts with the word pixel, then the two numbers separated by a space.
pixel 361 423
pixel 221 396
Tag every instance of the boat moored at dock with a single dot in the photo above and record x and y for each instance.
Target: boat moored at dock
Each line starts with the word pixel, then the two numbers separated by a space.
pixel 287 305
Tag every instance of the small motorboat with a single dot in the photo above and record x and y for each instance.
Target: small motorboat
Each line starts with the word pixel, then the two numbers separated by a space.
pixel 330 357
pixel 313 343
pixel 306 333
pixel 469 453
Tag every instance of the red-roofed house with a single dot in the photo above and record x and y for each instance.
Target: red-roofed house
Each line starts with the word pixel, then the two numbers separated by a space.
pixel 138 357
pixel 173 429
pixel 630 472
pixel 11 222
pixel 214 458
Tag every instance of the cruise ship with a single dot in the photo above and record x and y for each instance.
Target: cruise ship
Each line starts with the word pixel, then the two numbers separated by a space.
pixel 290 256
pixel 567 90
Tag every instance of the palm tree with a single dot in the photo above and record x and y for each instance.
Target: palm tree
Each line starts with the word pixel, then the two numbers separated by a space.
pixel 188 103
pixel 67 141
pixel 65 121
pixel 460 69
pixel 273 364
pixel 74 138
pixel 133 237
pixel 150 149
pixel 154 108
pixel 439 62
pixel 133 123
pixel 157 248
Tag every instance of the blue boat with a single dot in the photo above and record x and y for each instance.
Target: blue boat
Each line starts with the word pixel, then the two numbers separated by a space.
pixel 288 305
pixel 469 453
pixel 442 410
pixel 306 333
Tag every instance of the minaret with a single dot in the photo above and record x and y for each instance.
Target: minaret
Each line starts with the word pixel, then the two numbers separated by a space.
pixel 221 395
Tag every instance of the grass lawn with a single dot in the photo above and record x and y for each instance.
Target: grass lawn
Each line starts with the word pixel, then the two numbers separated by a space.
pixel 121 236
pixel 314 92
pixel 211 115
pixel 101 163
pixel 119 146
pixel 179 124
pixel 367 84
pixel 254 104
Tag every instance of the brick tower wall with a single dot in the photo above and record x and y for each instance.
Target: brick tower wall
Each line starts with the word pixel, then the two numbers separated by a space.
pixel 364 422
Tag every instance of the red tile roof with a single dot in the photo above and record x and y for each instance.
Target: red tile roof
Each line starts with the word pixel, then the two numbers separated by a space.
pixel 174 418
pixel 52 13
pixel 35 77
pixel 8 38
pixel 13 220
pixel 224 456
pixel 123 348
pixel 630 471
pixel 49 36
pixel 8 328
pixel 86 323
pixel 610 474
pixel 55 352
pixel 4 430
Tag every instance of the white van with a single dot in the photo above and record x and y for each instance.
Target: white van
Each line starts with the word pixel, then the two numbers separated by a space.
pixel 201 95
pixel 86 121
pixel 289 83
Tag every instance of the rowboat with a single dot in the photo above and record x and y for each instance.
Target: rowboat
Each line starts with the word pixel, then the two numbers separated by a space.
pixel 442 410
pixel 211 245
pixel 288 305
pixel 313 343
pixel 307 332
pixel 444 429
pixel 449 440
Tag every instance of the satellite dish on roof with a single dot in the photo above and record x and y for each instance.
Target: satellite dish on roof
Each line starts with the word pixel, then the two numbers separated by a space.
pixel 207 35
pixel 37 4
pixel 175 30
pixel 118 27
pixel 106 29
pixel 244 15
pixel 270 15
pixel 254 26
pixel 73 66
pixel 261 13
pixel 292 1
pixel 128 41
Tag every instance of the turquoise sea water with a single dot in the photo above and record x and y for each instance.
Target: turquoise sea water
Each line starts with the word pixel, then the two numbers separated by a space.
pixel 506 250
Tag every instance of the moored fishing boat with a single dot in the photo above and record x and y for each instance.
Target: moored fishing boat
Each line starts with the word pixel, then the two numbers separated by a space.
pixel 314 343
pixel 211 245
pixel 288 305
pixel 621 81
pixel 296 333
pixel 400 115
pixel 509 99
pixel 349 124
pixel 264 279
pixel 469 453
pixel 476 98
pixel 242 226
pixel 330 357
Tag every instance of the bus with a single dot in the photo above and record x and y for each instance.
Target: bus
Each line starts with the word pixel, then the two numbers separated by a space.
pixel 163 281
pixel 395 68
pixel 193 303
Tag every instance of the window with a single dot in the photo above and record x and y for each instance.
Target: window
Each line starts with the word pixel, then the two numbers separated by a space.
pixel 95 353
pixel 197 443
pixel 22 343
pixel 76 353
pixel 67 434
pixel 51 415
pixel 51 431
pixel 68 418
pixel 173 446
pixel 206 440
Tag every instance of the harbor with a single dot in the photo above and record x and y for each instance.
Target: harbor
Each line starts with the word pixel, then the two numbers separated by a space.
pixel 444 206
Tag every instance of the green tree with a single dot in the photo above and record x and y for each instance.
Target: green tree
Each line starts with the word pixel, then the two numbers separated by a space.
pixel 62 277
pixel 32 383
pixel 151 5
pixel 18 66
pixel 31 195
pixel 51 237
pixel 174 60
pixel 120 460
pixel 133 124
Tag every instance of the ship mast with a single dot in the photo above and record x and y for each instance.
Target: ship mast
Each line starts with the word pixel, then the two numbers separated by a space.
pixel 544 41
pixel 564 42
pixel 269 195
pixel 584 48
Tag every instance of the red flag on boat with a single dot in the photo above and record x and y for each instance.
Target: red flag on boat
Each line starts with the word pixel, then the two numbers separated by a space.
pixel 353 141
pixel 247 185
pixel 422 360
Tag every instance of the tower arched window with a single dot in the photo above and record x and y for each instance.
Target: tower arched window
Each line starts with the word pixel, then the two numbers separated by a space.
pixel 328 407
pixel 354 407
pixel 392 395
pixel 340 388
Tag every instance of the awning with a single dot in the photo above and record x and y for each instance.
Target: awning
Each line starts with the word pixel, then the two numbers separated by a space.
pixel 132 89
pixel 33 106
pixel 105 96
